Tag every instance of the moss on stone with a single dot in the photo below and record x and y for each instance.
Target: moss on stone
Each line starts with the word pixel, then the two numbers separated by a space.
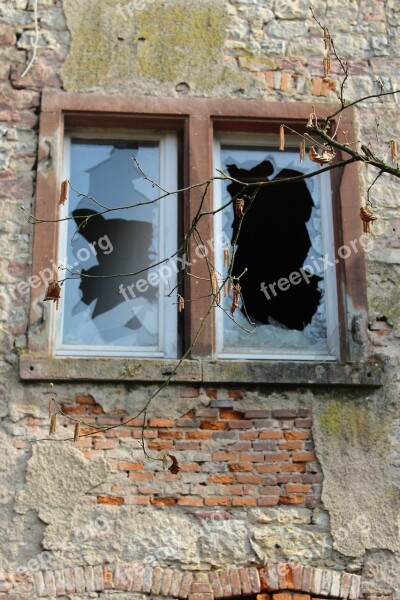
pixel 346 420
pixel 115 47
pixel 182 41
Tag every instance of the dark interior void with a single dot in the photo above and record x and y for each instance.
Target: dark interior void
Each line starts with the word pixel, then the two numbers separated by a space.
pixel 130 242
pixel 273 243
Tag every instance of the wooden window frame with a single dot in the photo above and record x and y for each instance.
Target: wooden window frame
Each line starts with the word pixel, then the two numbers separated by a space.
pixel 195 120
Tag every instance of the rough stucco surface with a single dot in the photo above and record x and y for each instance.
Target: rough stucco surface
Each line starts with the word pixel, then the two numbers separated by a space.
pixel 267 49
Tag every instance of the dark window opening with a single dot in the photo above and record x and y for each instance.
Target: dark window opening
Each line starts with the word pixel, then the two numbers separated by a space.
pixel 273 243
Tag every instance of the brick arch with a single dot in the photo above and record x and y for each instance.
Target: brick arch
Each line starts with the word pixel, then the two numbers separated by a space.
pixel 273 581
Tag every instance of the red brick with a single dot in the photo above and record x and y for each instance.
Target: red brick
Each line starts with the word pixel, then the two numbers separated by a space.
pixel 139 422
pixel 297 435
pixel 270 490
pixel 298 488
pixel 236 394
pixel 303 456
pixel 303 423
pixel 245 581
pixel 161 445
pixel 240 424
pixel 291 445
pixel 301 596
pixel 140 476
pixel 155 422
pixel 240 467
pixel 95 410
pixel 190 501
pixel 282 596
pixel 254 479
pixel 271 435
pixel 200 588
pixel 137 500
pixel 234 490
pixel 293 499
pixel 105 444
pixel 73 409
pixel 187 445
pixel 91 432
pixel 85 400
pixel 257 414
pixel 212 394
pixel 269 468
pixel 130 466
pixel 290 478
pixel 171 435
pixel 282 413
pixel 163 501
pixel 248 435
pixel 226 479
pixel 223 456
pixel 268 501
pixel 217 501
pixel 277 457
pixel 235 582
pixel 111 500
pixel 240 446
pixel 215 425
pixel 187 423
pixel 190 467
pixel 243 501
pixel 252 457
pixel 230 414
pixel 208 413
pixel 119 432
pixel 293 468
pixel 198 435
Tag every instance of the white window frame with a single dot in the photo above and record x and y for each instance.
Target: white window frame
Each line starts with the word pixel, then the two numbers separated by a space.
pixel 168 241
pixel 271 142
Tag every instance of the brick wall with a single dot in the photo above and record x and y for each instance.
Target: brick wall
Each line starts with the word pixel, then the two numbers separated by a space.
pixel 227 457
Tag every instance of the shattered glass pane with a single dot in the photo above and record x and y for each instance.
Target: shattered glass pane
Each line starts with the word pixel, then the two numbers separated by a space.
pixel 278 254
pixel 118 312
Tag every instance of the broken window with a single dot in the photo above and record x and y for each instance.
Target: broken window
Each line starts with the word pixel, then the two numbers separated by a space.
pixel 288 292
pixel 113 303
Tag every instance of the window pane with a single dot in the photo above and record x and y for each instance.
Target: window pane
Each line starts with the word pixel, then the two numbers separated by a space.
pixel 280 238
pixel 120 313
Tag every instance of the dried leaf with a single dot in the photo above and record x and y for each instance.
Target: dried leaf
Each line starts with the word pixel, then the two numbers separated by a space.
pixel 53 424
pixel 327 39
pixel 239 207
pixel 181 303
pixel 236 298
pixel 215 287
pixel 326 157
pixel 229 286
pixel 63 191
pixel 174 468
pixel 327 65
pixel 302 150
pixel 367 217
pixel 227 257
pixel 53 292
pixel 50 407
pixel 282 137
pixel 393 149
pixel 76 431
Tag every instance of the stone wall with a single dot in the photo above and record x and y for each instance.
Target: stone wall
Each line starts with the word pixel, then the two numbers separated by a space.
pixel 250 490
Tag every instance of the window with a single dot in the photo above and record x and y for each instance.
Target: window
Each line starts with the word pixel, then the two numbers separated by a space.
pixel 104 312
pixel 179 142
pixel 288 305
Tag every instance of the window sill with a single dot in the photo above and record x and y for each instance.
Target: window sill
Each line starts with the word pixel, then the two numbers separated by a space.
pixel 258 372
